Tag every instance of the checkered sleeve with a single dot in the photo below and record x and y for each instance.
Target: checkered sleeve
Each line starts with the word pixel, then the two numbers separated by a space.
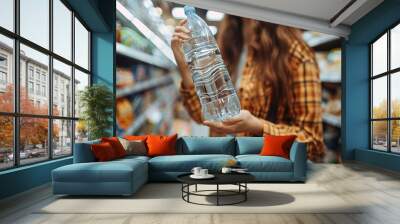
pixel 307 112
pixel 192 103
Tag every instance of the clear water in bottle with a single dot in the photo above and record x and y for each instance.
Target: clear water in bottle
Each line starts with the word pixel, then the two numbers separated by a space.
pixel 212 82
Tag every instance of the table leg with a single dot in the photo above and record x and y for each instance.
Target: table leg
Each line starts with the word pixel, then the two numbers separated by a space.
pixel 245 193
pixel 217 194
pixel 195 188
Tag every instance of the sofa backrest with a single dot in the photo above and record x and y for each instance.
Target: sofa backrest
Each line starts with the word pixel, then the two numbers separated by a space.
pixel 83 152
pixel 249 145
pixel 206 145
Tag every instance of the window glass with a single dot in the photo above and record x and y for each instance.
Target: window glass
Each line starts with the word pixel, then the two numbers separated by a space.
pixel 33 140
pixel 6 142
pixel 81 45
pixel 39 62
pixel 81 82
pixel 6 74
pixel 7 14
pixel 379 56
pixel 62 89
pixel 62 138
pixel 81 131
pixel 395 95
pixel 379 98
pixel 395 136
pixel 379 135
pixel 34 21
pixel 395 47
pixel 62 29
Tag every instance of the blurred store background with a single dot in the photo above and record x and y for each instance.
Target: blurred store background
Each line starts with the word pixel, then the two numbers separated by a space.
pixel 148 82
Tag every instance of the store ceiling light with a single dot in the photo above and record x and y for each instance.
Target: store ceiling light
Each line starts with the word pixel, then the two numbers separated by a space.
pixel 214 16
pixel 148 33
pixel 178 13
pixel 213 29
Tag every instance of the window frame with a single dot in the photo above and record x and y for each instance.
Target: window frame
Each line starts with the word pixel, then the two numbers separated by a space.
pixel 16 115
pixel 388 74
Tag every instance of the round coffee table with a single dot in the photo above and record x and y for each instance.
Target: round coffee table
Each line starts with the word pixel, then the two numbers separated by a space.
pixel 238 179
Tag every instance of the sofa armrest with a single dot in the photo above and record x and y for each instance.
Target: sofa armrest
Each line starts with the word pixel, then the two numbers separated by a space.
pixel 83 152
pixel 298 155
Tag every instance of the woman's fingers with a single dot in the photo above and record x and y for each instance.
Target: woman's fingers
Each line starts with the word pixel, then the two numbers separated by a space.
pixel 221 127
pixel 182 22
pixel 182 29
pixel 182 36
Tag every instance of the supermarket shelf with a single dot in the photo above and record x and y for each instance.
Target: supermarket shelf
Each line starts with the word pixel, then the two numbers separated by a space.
pixel 317 41
pixel 145 85
pixel 138 123
pixel 142 56
pixel 332 119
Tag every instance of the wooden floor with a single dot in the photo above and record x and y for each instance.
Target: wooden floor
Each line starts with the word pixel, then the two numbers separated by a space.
pixel 379 189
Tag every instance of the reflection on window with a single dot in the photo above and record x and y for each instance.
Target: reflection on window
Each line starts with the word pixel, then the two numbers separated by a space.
pixel 395 47
pixel 6 142
pixel 62 138
pixel 33 140
pixel 81 45
pixel 61 75
pixel 395 138
pixel 35 21
pixel 379 56
pixel 385 94
pixel 62 29
pixel 379 133
pixel 81 82
pixel 7 14
pixel 379 97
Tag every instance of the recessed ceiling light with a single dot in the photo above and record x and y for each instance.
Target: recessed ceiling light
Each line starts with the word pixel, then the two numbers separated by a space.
pixel 178 13
pixel 214 16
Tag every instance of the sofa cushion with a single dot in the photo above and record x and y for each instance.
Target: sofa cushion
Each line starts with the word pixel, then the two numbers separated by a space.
pixel 249 145
pixel 112 171
pixel 185 163
pixel 257 163
pixel 206 145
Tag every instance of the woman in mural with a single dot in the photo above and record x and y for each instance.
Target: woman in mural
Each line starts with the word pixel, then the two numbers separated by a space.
pixel 276 76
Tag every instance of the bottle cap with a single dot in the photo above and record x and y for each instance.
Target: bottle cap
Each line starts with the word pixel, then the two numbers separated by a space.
pixel 189 10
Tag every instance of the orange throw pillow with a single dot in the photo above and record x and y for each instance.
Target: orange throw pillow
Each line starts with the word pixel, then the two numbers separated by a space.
pixel 277 145
pixel 161 145
pixel 135 137
pixel 103 152
pixel 116 145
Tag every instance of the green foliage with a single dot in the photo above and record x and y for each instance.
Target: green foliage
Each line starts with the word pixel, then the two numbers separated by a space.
pixel 96 102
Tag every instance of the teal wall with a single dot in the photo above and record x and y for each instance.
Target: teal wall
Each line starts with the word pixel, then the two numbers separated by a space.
pixel 356 100
pixel 99 16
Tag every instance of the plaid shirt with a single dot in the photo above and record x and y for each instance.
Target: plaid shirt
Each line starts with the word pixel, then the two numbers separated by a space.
pixel 303 118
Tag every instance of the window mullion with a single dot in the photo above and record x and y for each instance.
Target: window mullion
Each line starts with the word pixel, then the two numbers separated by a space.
pixel 389 101
pixel 73 82
pixel 50 81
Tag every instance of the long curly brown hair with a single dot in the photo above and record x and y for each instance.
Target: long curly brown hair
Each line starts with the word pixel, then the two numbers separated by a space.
pixel 268 48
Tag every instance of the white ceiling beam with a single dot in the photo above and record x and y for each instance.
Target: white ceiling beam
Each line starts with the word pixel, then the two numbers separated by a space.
pixel 347 12
pixel 269 15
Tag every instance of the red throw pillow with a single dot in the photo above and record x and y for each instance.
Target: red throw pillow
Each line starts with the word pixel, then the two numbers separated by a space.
pixel 277 145
pixel 135 137
pixel 103 152
pixel 116 145
pixel 161 145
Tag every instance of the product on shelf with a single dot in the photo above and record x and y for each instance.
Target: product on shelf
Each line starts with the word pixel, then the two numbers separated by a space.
pixel 124 114
pixel 124 78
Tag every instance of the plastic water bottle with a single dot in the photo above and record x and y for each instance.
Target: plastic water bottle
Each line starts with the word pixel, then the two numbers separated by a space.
pixel 212 82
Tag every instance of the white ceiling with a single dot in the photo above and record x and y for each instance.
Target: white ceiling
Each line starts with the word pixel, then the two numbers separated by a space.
pixel 324 16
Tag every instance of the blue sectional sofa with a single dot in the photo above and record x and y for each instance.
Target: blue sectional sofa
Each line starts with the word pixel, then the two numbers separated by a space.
pixel 125 176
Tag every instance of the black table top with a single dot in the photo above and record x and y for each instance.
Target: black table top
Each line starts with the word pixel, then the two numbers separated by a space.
pixel 220 178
